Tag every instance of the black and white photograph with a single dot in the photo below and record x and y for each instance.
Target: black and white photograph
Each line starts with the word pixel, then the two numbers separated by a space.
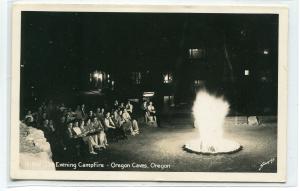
pixel 149 92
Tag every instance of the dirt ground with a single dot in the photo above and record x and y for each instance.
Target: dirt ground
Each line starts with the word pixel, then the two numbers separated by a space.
pixel 160 149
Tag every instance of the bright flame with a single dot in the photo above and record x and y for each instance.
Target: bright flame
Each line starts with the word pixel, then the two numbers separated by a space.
pixel 209 112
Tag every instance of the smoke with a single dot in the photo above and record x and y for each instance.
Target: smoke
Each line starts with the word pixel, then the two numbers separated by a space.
pixel 209 112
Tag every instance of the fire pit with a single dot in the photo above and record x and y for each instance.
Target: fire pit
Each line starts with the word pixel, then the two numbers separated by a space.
pixel 209 112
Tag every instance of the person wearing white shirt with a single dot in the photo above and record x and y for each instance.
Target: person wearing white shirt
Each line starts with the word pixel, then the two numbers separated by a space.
pixel 151 111
pixel 129 107
pixel 29 118
pixel 109 126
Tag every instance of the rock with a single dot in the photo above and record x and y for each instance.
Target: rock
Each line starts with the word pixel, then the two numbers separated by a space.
pixel 36 161
pixel 252 120
pixel 35 151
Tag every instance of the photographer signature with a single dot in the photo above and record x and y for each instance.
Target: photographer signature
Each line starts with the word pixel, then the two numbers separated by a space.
pixel 266 163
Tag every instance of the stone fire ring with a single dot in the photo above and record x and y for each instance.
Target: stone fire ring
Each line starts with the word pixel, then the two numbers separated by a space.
pixel 230 147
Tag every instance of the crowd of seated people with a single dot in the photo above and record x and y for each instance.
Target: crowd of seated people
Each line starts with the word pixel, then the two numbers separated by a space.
pixel 67 129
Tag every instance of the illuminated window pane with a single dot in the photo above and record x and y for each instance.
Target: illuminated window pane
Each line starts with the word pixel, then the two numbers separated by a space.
pixel 197 82
pixel 196 53
pixel 168 78
pixel 266 51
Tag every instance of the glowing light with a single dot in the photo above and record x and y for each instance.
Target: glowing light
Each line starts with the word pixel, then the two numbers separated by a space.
pixel 247 72
pixel 196 53
pixel 266 52
pixel 209 113
pixel 95 75
pixel 167 78
pixel 100 76
pixel 148 94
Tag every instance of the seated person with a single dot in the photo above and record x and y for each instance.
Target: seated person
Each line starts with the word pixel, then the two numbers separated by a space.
pixel 74 144
pixel 70 131
pixel 68 139
pixel 90 128
pixel 122 106
pixel 117 119
pixel 62 107
pixel 78 113
pixel 135 127
pixel 82 127
pixel 130 124
pixel 144 108
pixel 129 107
pixel 91 114
pixel 116 105
pixel 113 114
pixel 41 121
pixel 51 125
pixel 151 112
pixel 45 125
pixel 76 129
pixel 99 114
pixel 28 119
pixel 83 113
pixel 69 117
pixel 88 139
pixel 127 124
pixel 71 113
pixel 102 115
pixel 46 128
pixel 109 126
pixel 100 136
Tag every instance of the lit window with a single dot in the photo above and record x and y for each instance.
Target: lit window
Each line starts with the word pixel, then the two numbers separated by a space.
pixel 168 78
pixel 148 94
pixel 112 85
pixel 266 51
pixel 98 75
pixel 197 82
pixel 196 53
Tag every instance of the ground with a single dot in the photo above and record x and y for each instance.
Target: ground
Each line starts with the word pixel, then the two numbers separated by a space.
pixel 163 146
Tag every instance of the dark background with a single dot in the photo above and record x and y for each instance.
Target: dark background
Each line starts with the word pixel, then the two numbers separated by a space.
pixel 60 51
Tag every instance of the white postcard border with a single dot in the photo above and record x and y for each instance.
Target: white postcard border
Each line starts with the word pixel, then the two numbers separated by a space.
pixel 280 176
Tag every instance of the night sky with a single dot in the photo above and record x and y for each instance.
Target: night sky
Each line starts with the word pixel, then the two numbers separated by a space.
pixel 59 50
